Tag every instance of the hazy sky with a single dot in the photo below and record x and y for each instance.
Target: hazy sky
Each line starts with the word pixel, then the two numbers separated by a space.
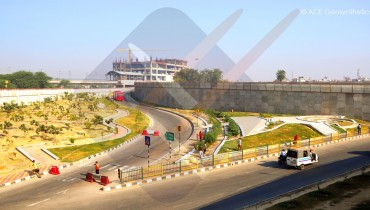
pixel 69 39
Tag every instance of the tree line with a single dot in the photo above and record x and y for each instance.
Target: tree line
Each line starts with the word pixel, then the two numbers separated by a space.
pixel 25 79
pixel 193 75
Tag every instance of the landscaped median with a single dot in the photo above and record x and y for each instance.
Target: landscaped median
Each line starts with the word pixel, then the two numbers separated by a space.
pixel 134 121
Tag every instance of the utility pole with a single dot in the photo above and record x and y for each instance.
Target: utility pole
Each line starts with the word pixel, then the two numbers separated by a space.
pixel 179 130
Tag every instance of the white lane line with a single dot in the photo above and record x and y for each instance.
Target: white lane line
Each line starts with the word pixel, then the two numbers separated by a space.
pixel 39 202
pixel 105 166
pixel 84 164
pixel 63 192
pixel 112 168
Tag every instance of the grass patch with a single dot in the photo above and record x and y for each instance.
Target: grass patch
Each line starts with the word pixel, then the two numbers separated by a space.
pixel 271 125
pixel 283 134
pixel 241 114
pixel 135 121
pixel 345 123
pixel 333 194
pixel 363 122
pixel 339 129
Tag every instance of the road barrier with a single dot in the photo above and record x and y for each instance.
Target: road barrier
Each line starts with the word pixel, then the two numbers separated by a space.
pixel 54 170
pixel 225 158
pixel 92 177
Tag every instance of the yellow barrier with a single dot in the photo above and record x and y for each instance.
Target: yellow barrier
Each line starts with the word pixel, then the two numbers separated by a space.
pixel 275 148
pixel 364 130
pixel 189 165
pixel 154 170
pixel 221 158
pixel 350 133
pixel 335 137
pixel 249 153
pixel 317 140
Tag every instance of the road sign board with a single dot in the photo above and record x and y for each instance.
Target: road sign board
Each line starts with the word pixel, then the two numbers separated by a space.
pixel 169 136
pixel 147 140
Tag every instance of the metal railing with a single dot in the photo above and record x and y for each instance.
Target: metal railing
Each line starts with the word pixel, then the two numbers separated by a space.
pixel 225 158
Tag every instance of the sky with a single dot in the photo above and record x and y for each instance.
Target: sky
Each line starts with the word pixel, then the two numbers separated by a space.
pixel 70 39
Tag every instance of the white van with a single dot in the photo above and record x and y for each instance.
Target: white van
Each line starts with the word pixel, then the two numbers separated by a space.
pixel 301 157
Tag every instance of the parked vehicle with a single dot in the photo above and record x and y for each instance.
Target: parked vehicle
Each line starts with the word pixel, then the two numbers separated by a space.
pixel 300 157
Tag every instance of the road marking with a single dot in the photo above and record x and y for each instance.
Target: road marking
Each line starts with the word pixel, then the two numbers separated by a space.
pixel 39 202
pixel 84 164
pixel 112 168
pixel 105 166
pixel 63 192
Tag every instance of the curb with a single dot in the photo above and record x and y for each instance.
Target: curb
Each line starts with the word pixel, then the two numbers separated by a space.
pixel 210 168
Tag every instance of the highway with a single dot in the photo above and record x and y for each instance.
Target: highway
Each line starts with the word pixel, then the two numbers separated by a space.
pixel 227 188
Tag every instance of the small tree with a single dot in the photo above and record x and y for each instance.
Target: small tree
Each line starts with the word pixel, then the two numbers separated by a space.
pixel 23 128
pixel 88 125
pixel 280 75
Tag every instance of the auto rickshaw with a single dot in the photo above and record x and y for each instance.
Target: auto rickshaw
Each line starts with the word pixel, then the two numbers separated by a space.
pixel 300 157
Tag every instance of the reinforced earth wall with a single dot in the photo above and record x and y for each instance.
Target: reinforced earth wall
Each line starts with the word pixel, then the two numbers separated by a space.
pixel 352 100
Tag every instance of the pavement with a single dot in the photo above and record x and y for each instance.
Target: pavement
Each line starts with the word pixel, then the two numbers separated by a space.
pixel 255 125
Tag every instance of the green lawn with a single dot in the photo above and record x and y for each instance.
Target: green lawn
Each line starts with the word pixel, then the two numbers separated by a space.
pixel 135 121
pixel 339 129
pixel 283 134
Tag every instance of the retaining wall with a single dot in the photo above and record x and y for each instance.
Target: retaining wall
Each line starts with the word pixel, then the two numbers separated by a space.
pixel 352 100
pixel 32 95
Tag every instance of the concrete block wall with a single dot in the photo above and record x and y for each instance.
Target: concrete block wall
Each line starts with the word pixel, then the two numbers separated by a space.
pixel 352 100
pixel 32 95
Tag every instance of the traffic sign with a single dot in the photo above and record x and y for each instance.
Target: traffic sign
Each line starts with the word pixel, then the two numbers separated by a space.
pixel 169 136
pixel 147 140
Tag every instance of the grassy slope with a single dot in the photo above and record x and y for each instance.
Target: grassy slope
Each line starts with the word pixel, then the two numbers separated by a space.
pixel 282 134
pixel 74 153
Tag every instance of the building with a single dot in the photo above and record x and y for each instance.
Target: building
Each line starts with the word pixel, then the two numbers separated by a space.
pixel 161 70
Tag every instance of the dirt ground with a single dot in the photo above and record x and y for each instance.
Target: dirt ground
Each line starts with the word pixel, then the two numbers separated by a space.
pixel 59 114
pixel 358 197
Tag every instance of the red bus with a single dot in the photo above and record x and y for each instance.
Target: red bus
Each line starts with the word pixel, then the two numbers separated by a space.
pixel 118 95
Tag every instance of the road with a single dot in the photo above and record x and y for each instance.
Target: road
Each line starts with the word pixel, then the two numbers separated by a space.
pixel 227 188
pixel 70 181
pixel 239 185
